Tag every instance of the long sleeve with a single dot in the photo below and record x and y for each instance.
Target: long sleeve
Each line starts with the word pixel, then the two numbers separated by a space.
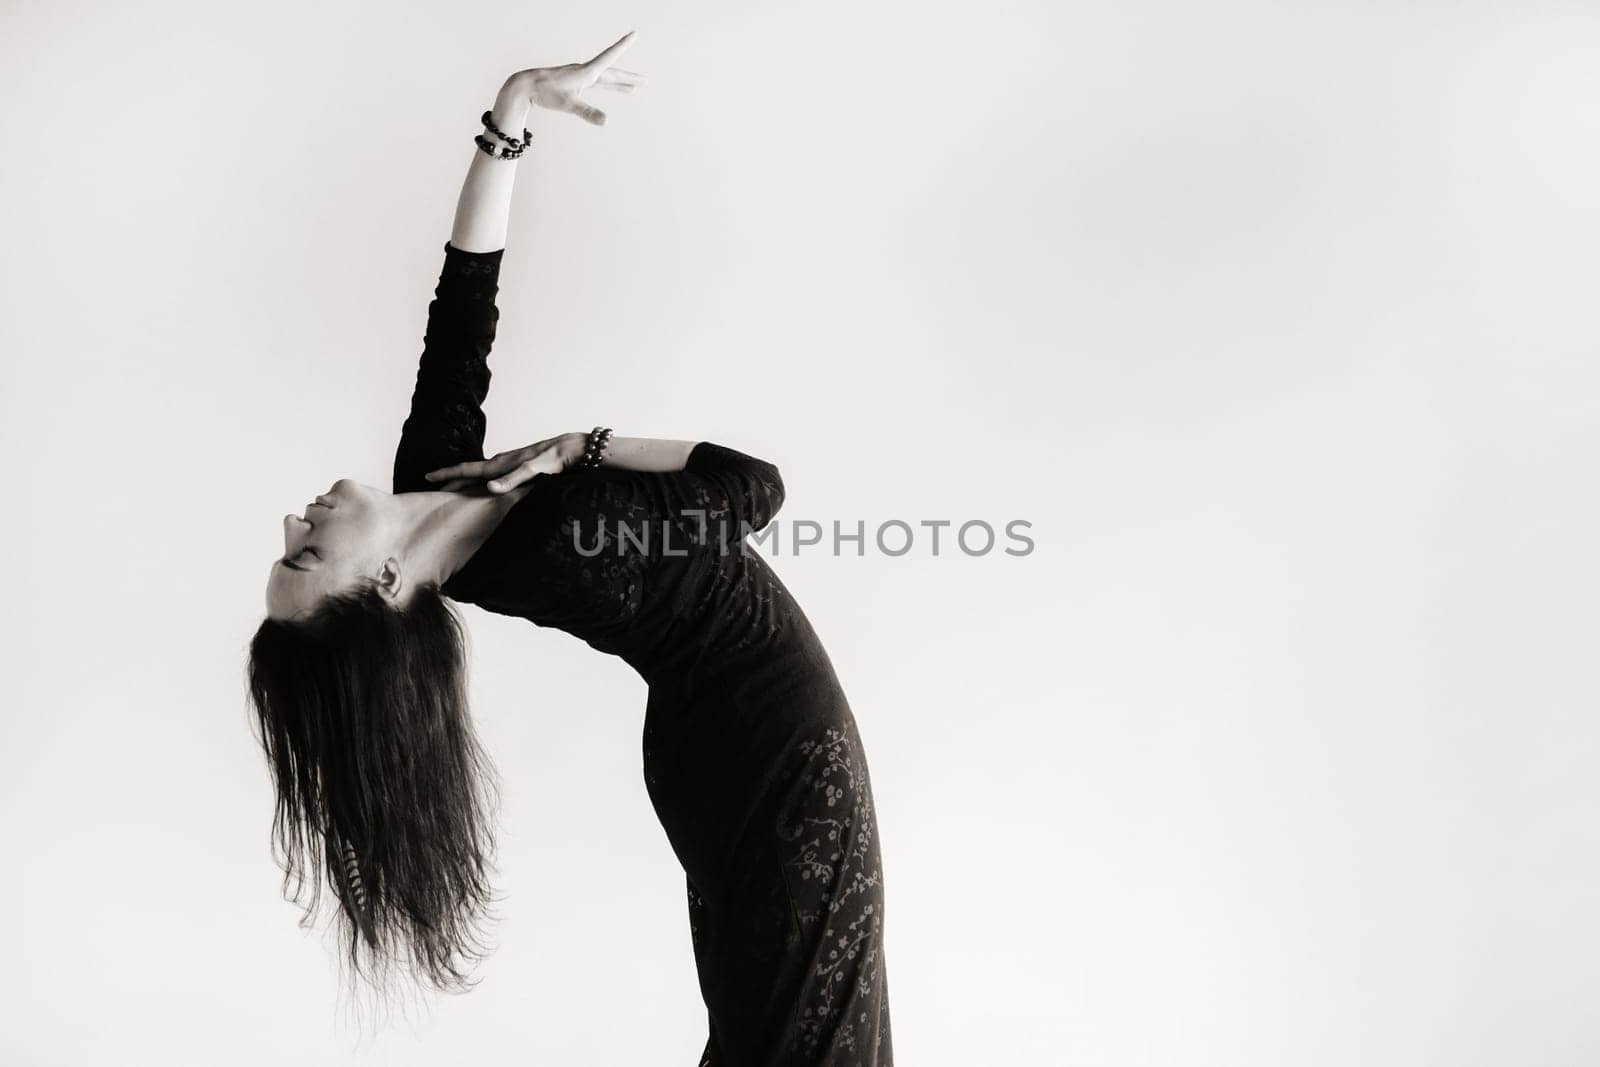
pixel 446 423
pixel 750 489
pixel 720 495
pixel 587 549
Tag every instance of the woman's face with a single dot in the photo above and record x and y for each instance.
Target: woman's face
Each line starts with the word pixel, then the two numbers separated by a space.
pixel 342 537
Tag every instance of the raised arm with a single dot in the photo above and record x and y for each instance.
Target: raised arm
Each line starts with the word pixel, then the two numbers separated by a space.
pixel 446 422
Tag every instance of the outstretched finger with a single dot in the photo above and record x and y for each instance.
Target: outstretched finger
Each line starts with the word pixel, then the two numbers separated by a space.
pixel 459 470
pixel 619 81
pixel 546 462
pixel 618 76
pixel 605 58
pixel 477 468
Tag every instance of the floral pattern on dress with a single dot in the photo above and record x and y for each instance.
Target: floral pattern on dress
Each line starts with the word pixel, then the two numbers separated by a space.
pixel 834 871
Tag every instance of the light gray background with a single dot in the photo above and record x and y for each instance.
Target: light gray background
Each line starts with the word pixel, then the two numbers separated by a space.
pixel 1276 320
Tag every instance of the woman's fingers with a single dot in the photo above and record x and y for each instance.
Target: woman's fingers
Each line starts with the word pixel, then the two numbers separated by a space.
pixel 507 469
pixel 617 78
pixel 459 470
pixel 607 57
pixel 586 113
pixel 545 463
pixel 557 88
pixel 478 468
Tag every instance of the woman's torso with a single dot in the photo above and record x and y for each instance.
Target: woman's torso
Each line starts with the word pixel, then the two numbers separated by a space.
pixel 641 566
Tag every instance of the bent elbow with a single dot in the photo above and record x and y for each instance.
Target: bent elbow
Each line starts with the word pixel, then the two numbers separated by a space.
pixel 772 479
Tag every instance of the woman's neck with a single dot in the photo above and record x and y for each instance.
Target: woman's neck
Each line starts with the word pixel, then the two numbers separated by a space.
pixel 444 529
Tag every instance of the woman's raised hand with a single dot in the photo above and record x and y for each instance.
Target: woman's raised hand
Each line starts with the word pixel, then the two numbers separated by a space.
pixel 557 88
pixel 507 470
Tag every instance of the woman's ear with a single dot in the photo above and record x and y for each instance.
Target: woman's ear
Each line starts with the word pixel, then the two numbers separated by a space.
pixel 390 580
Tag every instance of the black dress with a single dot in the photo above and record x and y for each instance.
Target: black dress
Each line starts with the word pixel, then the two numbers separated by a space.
pixel 751 756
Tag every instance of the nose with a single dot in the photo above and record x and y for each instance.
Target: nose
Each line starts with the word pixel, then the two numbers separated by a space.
pixel 343 485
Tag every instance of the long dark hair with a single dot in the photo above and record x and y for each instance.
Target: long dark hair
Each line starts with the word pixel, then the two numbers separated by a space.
pixel 382 786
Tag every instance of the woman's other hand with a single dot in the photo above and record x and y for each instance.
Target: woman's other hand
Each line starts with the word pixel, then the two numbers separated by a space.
pixel 507 470
pixel 557 88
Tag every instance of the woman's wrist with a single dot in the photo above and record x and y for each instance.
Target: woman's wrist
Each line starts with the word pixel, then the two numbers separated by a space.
pixel 570 448
pixel 510 111
pixel 517 89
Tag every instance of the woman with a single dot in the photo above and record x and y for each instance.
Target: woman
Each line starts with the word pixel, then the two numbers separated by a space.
pixel 751 756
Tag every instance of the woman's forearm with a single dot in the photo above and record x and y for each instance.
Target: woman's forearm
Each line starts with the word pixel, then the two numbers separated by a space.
pixel 632 453
pixel 484 210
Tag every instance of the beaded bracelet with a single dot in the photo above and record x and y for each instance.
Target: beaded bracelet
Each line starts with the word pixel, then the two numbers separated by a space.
pixel 513 147
pixel 512 142
pixel 488 149
pixel 594 452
